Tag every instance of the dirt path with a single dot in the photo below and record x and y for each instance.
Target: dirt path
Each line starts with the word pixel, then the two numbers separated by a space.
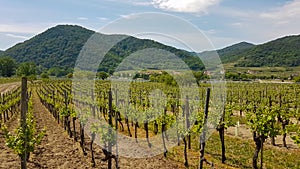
pixel 8 159
pixel 56 149
pixel 8 87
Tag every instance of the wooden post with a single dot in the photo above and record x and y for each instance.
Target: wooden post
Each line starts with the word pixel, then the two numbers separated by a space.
pixel 116 123
pixel 187 117
pixel 92 106
pixel 203 135
pixel 109 128
pixel 24 108
pixel 261 152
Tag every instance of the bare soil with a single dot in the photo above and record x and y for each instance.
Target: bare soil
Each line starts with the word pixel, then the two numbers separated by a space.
pixel 4 88
pixel 245 133
pixel 57 150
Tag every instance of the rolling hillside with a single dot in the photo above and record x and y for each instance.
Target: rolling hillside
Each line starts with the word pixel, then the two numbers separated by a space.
pixel 231 53
pixel 282 52
pixel 60 46
pixel 234 52
pixel 56 47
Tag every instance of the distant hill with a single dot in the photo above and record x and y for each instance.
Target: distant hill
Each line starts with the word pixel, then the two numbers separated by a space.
pixel 283 52
pixel 231 53
pixel 234 52
pixel 56 47
pixel 59 47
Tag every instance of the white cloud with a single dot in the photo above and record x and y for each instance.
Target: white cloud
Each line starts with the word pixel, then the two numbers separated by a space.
pixel 103 18
pixel 290 10
pixel 16 36
pixel 237 24
pixel 186 6
pixel 259 26
pixel 210 31
pixel 29 28
pixel 139 3
pixel 130 16
pixel 82 18
pixel 278 22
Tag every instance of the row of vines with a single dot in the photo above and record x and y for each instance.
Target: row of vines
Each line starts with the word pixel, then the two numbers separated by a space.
pixel 109 111
pixel 23 139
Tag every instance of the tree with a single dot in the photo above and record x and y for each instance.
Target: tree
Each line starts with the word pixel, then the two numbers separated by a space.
pixel 199 75
pixel 58 72
pixel 26 69
pixel 45 75
pixel 102 75
pixel 70 75
pixel 297 79
pixel 7 66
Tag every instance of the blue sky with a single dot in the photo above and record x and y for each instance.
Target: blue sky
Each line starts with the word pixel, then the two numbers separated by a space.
pixel 224 22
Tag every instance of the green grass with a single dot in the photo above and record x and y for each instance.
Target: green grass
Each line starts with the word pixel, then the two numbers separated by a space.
pixel 4 80
pixel 235 119
pixel 281 72
pixel 239 154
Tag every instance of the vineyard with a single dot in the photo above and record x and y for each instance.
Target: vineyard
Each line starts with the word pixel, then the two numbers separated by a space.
pixel 250 126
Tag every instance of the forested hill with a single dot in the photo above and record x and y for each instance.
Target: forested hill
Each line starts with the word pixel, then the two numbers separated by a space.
pixel 59 47
pixel 234 52
pixel 231 53
pixel 280 52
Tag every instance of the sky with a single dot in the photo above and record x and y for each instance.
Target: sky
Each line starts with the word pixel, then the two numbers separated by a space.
pixel 223 22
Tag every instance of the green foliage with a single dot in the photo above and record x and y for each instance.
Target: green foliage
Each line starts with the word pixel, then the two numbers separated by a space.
pixel 129 45
pixel 70 75
pixel 239 76
pixel 283 52
pixel 102 75
pixel 231 53
pixel 58 72
pixel 107 133
pixel 163 77
pixel 8 80
pixel 60 46
pixel 297 79
pixel 262 118
pixel 296 138
pixel 25 139
pixel 7 66
pixel 199 75
pixel 228 118
pixel 142 76
pixel 45 76
pixel 26 69
pixel 56 47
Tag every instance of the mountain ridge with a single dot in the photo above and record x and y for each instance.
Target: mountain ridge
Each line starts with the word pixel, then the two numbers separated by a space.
pixel 230 53
pixel 281 52
pixel 54 46
pixel 60 46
